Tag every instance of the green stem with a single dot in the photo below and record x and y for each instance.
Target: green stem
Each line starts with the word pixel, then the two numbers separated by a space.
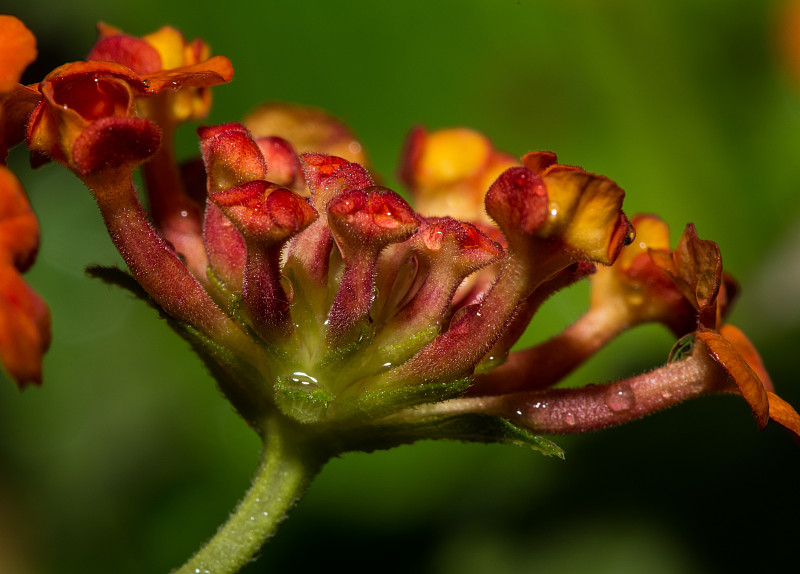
pixel 288 463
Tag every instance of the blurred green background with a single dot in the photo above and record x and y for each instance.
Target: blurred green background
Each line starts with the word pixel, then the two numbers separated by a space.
pixel 127 458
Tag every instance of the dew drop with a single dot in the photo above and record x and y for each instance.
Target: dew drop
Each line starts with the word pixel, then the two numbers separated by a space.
pixel 629 237
pixel 620 397
pixel 569 418
pixel 303 378
pixel 354 147
pixel 146 83
pixel 666 395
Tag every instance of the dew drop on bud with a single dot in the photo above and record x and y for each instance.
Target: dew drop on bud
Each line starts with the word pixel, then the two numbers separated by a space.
pixel 569 418
pixel 619 397
pixel 630 236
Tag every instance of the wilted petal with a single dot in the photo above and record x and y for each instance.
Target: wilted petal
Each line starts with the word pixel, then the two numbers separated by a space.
pixel 782 412
pixel 747 381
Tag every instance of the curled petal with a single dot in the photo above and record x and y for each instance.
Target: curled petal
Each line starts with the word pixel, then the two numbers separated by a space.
pixel 76 95
pixel 584 209
pixel 17 50
pixel 214 71
pixel 517 201
pixel 114 142
pixel 308 129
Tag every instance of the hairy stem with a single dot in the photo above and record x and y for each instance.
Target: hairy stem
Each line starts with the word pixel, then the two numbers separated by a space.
pixel 287 466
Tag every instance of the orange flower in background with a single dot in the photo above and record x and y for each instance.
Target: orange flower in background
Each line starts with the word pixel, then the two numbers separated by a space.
pixel 17 51
pixel 448 171
pixel 24 317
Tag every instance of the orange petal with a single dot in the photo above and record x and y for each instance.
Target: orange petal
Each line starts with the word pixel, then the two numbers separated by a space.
pixel 748 352
pixel 24 328
pixel 17 50
pixel 782 412
pixel 747 381
pixel 24 318
pixel 216 70
pixel 19 231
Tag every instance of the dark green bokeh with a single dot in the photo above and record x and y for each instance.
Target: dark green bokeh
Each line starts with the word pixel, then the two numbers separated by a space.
pixel 127 458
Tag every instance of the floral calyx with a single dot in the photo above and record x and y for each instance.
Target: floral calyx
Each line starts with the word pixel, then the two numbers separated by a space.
pixel 448 171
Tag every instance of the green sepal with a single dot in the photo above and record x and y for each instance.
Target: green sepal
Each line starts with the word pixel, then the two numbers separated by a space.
pixel 476 428
pixel 370 405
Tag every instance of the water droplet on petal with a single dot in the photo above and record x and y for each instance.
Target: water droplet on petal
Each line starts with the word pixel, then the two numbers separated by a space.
pixel 569 418
pixel 619 397
pixel 666 395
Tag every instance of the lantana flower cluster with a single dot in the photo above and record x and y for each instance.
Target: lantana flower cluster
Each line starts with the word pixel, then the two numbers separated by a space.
pixel 315 294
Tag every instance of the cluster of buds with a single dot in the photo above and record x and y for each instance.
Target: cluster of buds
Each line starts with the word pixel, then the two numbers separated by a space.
pixel 315 294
